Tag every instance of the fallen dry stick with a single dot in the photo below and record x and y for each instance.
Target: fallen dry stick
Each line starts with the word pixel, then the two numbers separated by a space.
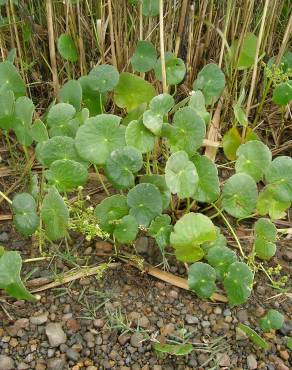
pixel 71 276
pixel 172 279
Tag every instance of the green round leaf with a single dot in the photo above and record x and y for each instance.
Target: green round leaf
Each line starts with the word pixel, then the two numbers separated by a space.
pixel 219 241
pixel 121 166
pixel 39 131
pixel 110 211
pixel 7 107
pixel 253 336
pixel 221 258
pixel 201 279
pixel 247 52
pixel 145 203
pixel 198 103
pixel 159 182
pixel 253 158
pixel 189 233
pixel 239 195
pixel 264 249
pixel 238 283
pixel 98 137
pixel 232 141
pixel 10 280
pixel 55 215
pixel 150 8
pixel 91 97
pixel 58 147
pixel 279 173
pixel 160 229
pixel 139 137
pixel 153 121
pixel 208 187
pixel 24 109
pixel 67 48
pixel 60 120
pixel 273 320
pixel 132 91
pixel 66 175
pixel 10 79
pixel 265 229
pixel 188 131
pixel 25 217
pixel 161 104
pixel 282 94
pixel 181 175
pixel 175 69
pixel 265 237
pixel 211 81
pixel 105 77
pixel 144 57
pixel 71 93
pixel 126 229
pixel 270 201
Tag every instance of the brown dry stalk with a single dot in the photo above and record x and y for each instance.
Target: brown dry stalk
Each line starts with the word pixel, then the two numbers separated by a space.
pixel 52 47
pixel 162 55
pixel 213 132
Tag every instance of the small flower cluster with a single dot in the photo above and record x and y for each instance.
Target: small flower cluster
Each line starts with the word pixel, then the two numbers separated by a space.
pixel 82 219
pixel 274 272
pixel 277 74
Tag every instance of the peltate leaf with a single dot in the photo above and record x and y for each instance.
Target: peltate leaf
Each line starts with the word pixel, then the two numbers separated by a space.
pixel 201 279
pixel 139 137
pixel 145 203
pixel 253 158
pixel 58 147
pixel 60 120
pixel 279 173
pixel 10 79
pixel 110 211
pixel 7 107
pixel 67 48
pixel 55 215
pixel 273 320
pixel 188 131
pixel 10 281
pixel 175 69
pixel 189 233
pixel 238 283
pixel 71 93
pixel 144 57
pixel 211 81
pixel 159 182
pixel 181 175
pixel 160 229
pixel 104 77
pixel 232 141
pixel 98 137
pixel 208 187
pixel 239 195
pixel 66 175
pixel 25 217
pixel 221 258
pixel 126 229
pixel 122 165
pixel 132 91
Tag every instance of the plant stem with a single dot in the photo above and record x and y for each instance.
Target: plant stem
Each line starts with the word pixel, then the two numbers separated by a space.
pixel 162 55
pixel 5 197
pixel 231 229
pixel 101 181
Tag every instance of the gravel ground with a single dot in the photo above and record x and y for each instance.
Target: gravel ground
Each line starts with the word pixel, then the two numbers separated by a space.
pixel 113 323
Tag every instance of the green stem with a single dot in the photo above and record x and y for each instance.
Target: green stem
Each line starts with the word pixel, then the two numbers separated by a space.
pixel 231 229
pixel 5 197
pixel 101 181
